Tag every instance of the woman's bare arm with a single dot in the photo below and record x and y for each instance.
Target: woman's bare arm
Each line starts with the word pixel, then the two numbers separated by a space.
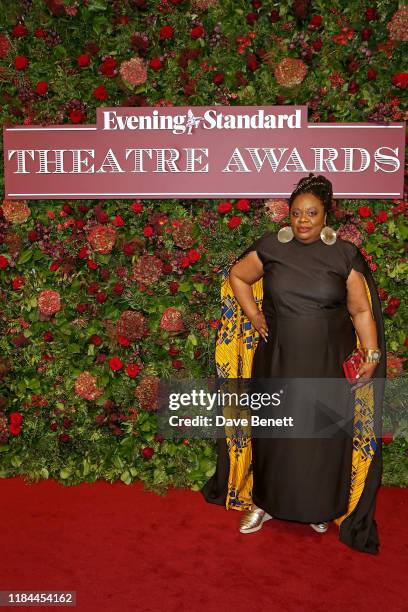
pixel 242 275
pixel 359 308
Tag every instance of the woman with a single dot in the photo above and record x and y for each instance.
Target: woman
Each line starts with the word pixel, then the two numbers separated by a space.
pixel 318 302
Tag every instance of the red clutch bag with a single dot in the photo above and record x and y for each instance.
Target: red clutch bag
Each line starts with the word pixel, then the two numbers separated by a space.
pixel 352 364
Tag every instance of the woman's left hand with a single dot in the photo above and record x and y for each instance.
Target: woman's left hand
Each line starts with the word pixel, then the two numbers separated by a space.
pixel 365 373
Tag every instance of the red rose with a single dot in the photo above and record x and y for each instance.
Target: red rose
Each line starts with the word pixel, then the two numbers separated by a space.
pixel 177 364
pixel 64 437
pixel 95 339
pixel 234 222
pixel 19 31
pixel 76 116
pixel 317 44
pixel 371 14
pixel 136 207
pixel 18 282
pixel 100 93
pixel 242 205
pixel 390 310
pixel 118 288
pixel 92 265
pixel 364 211
pixel 400 80
pixel 185 262
pixel 365 34
pixel 166 32
pixel 83 60
pixel 123 341
pixel 197 32
pixel 274 16
pixel 224 207
pixel 387 437
pixel 370 227
pixel 93 288
pixel 252 62
pixel 353 87
pixel 316 21
pixel 218 78
pixel 41 88
pixel 3 262
pixel 382 294
pixel 352 66
pixel 133 370
pixel 118 221
pixel 40 33
pixel 251 18
pixel 371 74
pixel 16 418
pixel 392 306
pixel 382 216
pixel 54 266
pixel 101 297
pixel 21 62
pixel 102 216
pixel 108 67
pixel 147 452
pixel 14 429
pixel 173 286
pixel 48 337
pixel 148 231
pixel 173 351
pixel 395 301
pixel 155 63
pixel 67 423
pixel 33 235
pixel 115 364
pixel 193 255
pixel 83 253
pixel 158 438
pixel 81 308
pixel 129 248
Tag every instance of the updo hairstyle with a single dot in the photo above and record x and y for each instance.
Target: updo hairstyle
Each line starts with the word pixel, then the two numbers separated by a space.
pixel 319 186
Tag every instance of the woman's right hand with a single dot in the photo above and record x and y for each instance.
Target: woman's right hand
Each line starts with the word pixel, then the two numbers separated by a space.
pixel 259 322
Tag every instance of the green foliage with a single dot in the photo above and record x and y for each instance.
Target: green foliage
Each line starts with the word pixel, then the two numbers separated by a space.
pixel 72 439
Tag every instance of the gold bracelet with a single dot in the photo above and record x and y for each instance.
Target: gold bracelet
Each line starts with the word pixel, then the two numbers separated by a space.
pixel 371 355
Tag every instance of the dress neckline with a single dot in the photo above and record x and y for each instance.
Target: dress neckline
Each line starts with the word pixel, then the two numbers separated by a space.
pixel 305 243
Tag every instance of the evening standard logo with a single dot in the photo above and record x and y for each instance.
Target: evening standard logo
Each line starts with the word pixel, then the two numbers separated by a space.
pixel 192 121
pixel 212 119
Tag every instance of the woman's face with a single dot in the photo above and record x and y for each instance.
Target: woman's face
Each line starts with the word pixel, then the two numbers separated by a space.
pixel 307 217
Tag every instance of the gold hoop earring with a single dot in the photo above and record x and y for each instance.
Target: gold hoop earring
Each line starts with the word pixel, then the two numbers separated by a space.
pixel 285 234
pixel 328 235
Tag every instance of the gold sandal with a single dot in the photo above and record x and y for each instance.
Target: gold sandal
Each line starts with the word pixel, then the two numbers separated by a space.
pixel 253 519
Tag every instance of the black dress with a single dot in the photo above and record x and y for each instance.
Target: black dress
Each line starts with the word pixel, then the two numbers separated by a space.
pixel 310 335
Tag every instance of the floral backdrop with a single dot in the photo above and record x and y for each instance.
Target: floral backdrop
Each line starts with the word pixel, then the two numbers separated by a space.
pixel 101 299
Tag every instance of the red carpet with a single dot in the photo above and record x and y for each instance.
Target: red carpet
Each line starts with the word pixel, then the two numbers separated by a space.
pixel 121 548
